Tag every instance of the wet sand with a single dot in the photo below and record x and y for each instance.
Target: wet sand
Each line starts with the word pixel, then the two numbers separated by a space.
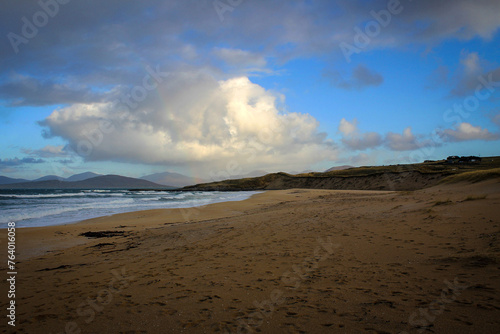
pixel 291 261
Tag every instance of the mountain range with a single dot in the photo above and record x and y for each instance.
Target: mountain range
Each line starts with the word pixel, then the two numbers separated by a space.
pixel 97 182
pixel 9 180
pixel 90 180
pixel 73 178
pixel 172 179
pixel 166 179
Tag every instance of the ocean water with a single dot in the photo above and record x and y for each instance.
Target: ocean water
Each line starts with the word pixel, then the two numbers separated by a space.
pixel 28 208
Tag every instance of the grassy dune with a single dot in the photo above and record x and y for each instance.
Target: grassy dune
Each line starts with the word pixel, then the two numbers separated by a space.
pixel 473 176
pixel 392 177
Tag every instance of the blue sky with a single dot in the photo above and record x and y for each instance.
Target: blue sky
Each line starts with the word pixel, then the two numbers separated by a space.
pixel 228 87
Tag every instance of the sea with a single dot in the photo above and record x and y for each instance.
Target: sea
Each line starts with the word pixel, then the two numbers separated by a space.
pixel 29 208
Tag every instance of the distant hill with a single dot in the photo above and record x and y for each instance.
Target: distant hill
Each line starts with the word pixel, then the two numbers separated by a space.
pixel 255 173
pixel 172 179
pixel 49 178
pixel 338 168
pixel 99 182
pixel 82 176
pixel 8 180
pixel 116 181
pixel 298 173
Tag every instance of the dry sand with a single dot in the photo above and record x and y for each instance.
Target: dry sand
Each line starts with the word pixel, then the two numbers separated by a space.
pixel 292 261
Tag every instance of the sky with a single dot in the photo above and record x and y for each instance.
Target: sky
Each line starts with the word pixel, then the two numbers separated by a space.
pixel 226 87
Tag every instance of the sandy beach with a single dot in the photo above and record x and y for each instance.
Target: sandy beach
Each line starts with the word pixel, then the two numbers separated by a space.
pixel 287 261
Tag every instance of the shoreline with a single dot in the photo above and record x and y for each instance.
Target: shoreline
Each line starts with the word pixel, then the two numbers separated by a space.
pixel 32 233
pixel 296 260
pixel 152 218
pixel 44 210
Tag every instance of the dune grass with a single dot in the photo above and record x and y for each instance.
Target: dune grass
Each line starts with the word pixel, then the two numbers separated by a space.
pixel 473 176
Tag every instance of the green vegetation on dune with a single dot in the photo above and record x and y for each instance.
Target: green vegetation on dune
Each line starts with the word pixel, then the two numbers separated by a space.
pixel 472 176
pixel 439 166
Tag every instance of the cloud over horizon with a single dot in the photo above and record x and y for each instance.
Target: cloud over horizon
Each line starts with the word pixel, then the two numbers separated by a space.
pixel 354 139
pixel 224 121
pixel 466 131
pixel 18 162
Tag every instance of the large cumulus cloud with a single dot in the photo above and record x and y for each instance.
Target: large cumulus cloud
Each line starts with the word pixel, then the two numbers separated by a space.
pixel 193 118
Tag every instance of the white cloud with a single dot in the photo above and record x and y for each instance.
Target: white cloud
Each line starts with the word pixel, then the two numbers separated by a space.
pixel 471 74
pixel 402 142
pixel 466 77
pixel 470 61
pixel 347 128
pixel 354 139
pixel 49 151
pixel 466 131
pixel 196 120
